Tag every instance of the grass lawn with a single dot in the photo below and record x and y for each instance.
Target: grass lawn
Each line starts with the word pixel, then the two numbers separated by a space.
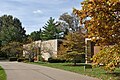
pixel 96 72
pixel 2 74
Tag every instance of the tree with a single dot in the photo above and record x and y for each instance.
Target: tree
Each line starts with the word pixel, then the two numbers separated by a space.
pixel 63 27
pixel 70 22
pixel 11 29
pixel 50 30
pixel 75 42
pixel 11 33
pixel 102 20
pixel 109 57
pixel 72 46
pixel 67 20
pixel 13 49
pixel 36 35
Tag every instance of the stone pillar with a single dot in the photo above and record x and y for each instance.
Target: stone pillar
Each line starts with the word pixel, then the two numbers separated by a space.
pixel 87 50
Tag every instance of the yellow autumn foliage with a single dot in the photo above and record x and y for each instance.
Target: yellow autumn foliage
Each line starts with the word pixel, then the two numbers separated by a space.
pixel 101 18
pixel 109 57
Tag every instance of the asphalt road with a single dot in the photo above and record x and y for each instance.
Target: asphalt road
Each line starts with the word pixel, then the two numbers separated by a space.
pixel 23 71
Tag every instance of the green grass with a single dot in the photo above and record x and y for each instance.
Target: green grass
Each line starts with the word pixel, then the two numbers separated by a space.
pixel 2 74
pixel 96 72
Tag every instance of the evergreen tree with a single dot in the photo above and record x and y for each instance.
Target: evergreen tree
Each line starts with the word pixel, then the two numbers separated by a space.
pixel 50 30
pixel 36 35
pixel 12 34
pixel 11 29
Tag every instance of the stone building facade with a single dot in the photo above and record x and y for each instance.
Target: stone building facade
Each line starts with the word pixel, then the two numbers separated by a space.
pixel 45 49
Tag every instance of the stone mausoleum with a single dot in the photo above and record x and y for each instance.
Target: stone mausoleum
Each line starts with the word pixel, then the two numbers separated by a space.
pixel 45 49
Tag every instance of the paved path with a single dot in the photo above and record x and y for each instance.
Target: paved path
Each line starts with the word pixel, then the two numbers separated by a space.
pixel 23 71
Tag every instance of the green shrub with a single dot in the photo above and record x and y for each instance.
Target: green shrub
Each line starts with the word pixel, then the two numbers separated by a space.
pixel 82 59
pixel 2 58
pixel 20 59
pixel 12 59
pixel 55 60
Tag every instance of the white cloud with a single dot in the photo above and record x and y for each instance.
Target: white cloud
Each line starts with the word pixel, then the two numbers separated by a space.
pixel 37 12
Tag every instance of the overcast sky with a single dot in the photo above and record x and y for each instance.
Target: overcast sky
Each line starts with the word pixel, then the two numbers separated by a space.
pixel 34 13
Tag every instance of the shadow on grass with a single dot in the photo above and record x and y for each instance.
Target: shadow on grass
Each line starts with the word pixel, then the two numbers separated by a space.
pixel 114 74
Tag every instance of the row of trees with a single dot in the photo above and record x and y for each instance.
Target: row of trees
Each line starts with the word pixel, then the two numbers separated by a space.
pixel 13 36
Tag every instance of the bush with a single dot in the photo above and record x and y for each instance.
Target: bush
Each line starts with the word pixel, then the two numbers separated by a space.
pixel 12 59
pixel 76 61
pixel 20 59
pixel 109 56
pixel 55 60
pixel 2 58
pixel 82 58
pixel 79 58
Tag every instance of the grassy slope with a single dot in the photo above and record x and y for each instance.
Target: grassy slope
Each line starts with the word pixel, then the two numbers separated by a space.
pixel 96 72
pixel 2 74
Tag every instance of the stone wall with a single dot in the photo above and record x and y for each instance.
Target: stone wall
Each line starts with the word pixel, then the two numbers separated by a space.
pixel 44 48
pixel 49 49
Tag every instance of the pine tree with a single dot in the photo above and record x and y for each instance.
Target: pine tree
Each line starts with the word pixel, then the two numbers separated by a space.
pixel 50 30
